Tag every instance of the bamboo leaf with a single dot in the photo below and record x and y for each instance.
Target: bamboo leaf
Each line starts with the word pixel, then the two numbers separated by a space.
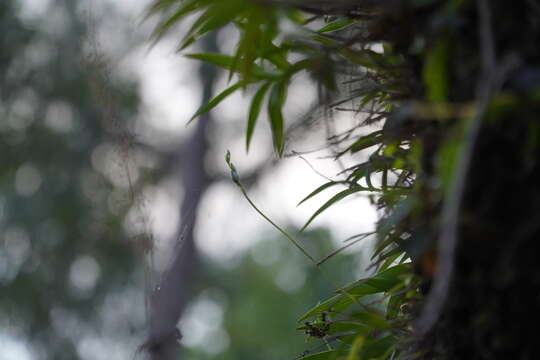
pixel 341 301
pixel 323 355
pixel 344 326
pixel 216 100
pixel 382 282
pixel 275 106
pixel 254 112
pixel 319 189
pixel 364 142
pixel 332 201
pixel 224 61
pixel 338 24
pixel 228 62
pixel 372 320
pixel 175 17
pixel 356 347
pixel 378 347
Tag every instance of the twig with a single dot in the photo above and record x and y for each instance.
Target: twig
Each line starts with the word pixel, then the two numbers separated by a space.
pixel 311 166
pixel 337 251
pixel 236 180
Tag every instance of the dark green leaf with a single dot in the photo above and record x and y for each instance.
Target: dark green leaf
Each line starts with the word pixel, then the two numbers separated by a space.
pixel 324 355
pixel 228 62
pixel 338 24
pixel 186 8
pixel 378 347
pixel 254 111
pixel 216 100
pixel 319 189
pixel 372 320
pixel 224 61
pixel 389 260
pixel 344 326
pixel 382 282
pixel 341 301
pixel 366 141
pixel 332 201
pixel 275 107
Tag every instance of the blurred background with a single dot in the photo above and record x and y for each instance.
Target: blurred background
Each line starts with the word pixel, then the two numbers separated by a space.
pixel 101 181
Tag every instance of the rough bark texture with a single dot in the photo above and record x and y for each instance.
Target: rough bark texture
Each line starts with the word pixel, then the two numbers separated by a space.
pixel 493 301
pixel 493 298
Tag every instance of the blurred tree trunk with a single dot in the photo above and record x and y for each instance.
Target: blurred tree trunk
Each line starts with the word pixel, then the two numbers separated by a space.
pixel 174 290
pixel 493 299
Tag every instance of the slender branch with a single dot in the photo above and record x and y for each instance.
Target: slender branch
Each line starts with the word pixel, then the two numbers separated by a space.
pixel 337 251
pixel 236 180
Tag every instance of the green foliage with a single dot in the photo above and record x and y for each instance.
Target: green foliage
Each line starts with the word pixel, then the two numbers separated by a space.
pixel 268 61
pixel 394 63
pixel 363 316
pixel 254 111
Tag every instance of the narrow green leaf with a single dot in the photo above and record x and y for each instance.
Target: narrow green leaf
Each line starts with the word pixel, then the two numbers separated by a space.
pixel 368 178
pixel 344 326
pixel 175 17
pixel 389 278
pixel 216 15
pixel 160 5
pixel 246 53
pixel 371 95
pixel 372 319
pixel 390 240
pixel 254 111
pixel 224 61
pixel 275 107
pixel 228 62
pixel 378 347
pixel 333 200
pixel 216 100
pixel 325 40
pixel 356 347
pixel 319 189
pixel 276 56
pixel 382 282
pixel 221 14
pixel 192 33
pixel 323 355
pixel 338 24
pixel 341 301
pixel 366 141
pixel 435 73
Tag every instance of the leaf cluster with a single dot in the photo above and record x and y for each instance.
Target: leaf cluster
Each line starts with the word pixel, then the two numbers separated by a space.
pixel 392 60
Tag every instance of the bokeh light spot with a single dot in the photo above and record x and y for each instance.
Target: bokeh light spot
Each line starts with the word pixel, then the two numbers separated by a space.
pixel 27 180
pixel 84 273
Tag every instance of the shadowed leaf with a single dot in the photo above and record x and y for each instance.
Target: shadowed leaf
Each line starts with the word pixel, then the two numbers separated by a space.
pixel 275 107
pixel 254 112
pixel 333 200
pixel 216 100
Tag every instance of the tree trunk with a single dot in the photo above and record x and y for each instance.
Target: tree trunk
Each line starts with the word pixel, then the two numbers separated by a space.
pixel 493 300
pixel 174 290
